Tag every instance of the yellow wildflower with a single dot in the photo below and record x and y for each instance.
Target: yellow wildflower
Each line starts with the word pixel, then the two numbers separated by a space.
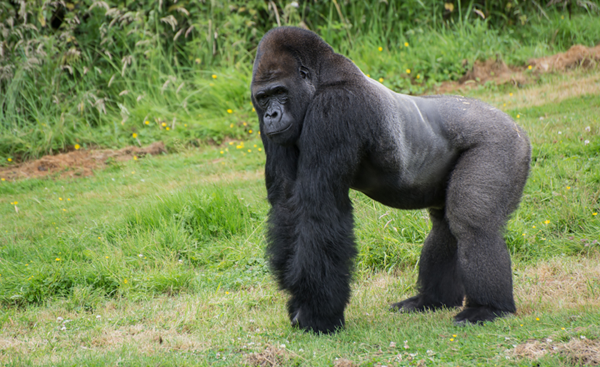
pixel 380 80
pixel 380 48
pixel 407 71
pixel 134 135
pixel 230 111
pixel 147 122
pixel 405 44
pixel 77 147
pixel 214 76
pixel 546 222
pixel 529 67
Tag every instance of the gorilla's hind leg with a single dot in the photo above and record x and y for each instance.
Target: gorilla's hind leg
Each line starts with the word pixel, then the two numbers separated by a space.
pixel 438 283
pixel 484 189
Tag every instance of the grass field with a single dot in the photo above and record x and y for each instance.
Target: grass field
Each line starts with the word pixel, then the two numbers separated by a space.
pixel 159 260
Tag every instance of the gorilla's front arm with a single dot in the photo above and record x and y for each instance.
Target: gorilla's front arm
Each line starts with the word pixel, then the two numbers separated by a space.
pixel 310 232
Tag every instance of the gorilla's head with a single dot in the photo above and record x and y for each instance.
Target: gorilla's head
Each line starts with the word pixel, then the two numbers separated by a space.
pixel 284 80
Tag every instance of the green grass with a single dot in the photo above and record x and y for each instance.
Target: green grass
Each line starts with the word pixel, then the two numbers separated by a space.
pixel 160 261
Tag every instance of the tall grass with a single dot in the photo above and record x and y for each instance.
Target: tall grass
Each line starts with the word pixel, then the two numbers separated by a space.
pixel 95 73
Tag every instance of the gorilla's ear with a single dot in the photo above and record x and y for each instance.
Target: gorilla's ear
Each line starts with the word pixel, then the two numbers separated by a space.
pixel 304 72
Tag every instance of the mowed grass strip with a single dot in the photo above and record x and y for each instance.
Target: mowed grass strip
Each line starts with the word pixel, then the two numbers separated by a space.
pixel 558 300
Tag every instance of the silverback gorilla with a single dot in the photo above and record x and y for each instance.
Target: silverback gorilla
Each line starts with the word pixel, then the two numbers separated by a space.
pixel 327 128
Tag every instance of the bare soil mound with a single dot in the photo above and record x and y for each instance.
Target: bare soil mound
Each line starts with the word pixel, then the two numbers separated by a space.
pixel 79 163
pixel 576 56
pixel 500 73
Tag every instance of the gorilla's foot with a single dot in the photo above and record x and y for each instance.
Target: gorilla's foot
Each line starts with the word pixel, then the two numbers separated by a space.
pixel 478 315
pixel 419 303
pixel 317 323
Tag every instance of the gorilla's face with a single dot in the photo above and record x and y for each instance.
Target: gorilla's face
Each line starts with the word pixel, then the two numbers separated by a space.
pixel 281 92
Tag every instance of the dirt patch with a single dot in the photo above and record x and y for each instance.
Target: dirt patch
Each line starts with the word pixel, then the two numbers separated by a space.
pixel 498 72
pixel 576 352
pixel 343 362
pixel 558 284
pixel 79 163
pixel 576 56
pixel 271 356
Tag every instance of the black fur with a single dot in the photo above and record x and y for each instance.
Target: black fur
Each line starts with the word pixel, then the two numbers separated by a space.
pixel 328 128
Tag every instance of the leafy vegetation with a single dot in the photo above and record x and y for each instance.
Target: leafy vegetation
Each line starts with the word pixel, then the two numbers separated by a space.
pixel 94 73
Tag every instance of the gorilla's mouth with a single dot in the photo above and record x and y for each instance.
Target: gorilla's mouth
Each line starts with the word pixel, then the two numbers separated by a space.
pixel 277 132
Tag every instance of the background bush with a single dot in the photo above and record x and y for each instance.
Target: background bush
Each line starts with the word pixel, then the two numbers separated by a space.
pixel 94 73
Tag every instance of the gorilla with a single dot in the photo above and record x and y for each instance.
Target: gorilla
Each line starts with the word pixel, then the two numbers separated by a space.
pixel 327 128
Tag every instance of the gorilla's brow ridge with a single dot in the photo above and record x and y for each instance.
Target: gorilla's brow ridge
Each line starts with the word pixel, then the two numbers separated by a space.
pixel 268 76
